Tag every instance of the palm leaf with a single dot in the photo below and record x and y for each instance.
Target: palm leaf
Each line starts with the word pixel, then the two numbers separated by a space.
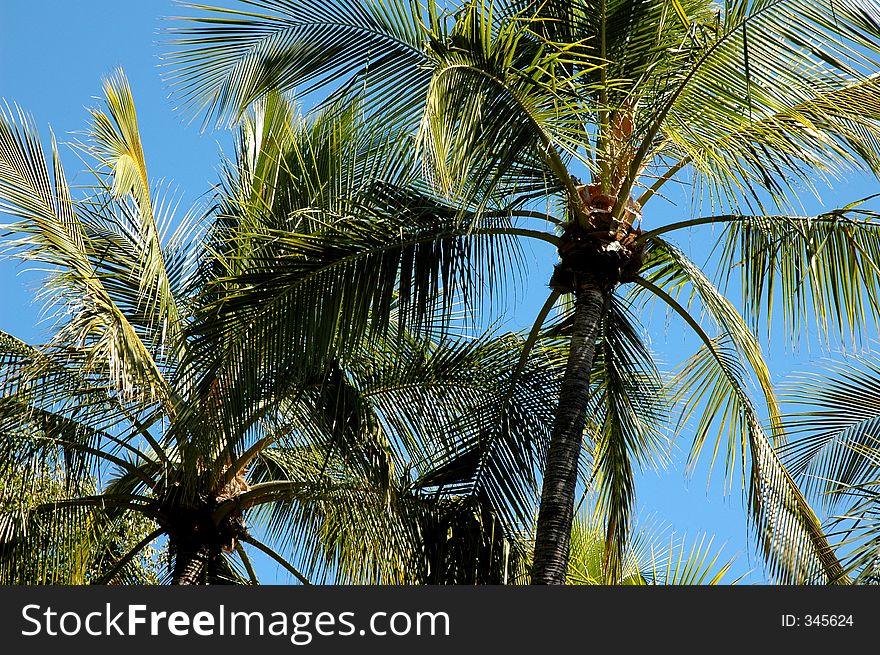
pixel 834 422
pixel 627 403
pixel 227 58
pixel 790 535
pixel 55 235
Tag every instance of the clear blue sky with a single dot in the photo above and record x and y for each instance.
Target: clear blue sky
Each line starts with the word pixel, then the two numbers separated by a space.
pixel 53 55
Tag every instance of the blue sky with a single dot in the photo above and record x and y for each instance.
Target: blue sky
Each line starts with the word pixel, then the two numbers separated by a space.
pixel 53 55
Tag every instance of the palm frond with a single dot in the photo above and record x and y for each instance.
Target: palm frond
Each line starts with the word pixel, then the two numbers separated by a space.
pixel 225 59
pixel 55 234
pixel 116 144
pixel 628 409
pixel 834 421
pixel 502 110
pixel 669 268
pixel 781 91
pixel 496 442
pixel 822 269
pixel 653 556
pixel 790 535
pixel 43 541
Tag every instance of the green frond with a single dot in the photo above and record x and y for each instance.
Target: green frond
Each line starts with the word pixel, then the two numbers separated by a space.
pixel 790 535
pixel 44 542
pixel 628 413
pixel 503 106
pixel 834 424
pixel 652 556
pixel 53 232
pixel 336 202
pixel 779 92
pixel 670 269
pixel 225 59
pixel 695 566
pixel 822 269
pixel 497 440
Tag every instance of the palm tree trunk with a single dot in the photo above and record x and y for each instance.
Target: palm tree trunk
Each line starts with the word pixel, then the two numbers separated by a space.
pixel 555 515
pixel 191 564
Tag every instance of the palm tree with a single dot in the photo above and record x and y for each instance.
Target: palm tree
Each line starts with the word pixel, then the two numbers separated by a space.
pixel 310 206
pixel 835 454
pixel 394 463
pixel 757 99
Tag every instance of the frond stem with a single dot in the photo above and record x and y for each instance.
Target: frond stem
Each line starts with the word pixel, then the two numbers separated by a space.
pixel 130 555
pixel 271 553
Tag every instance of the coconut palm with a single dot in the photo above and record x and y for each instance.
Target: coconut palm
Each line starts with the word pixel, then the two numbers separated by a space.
pixel 197 435
pixel 759 100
